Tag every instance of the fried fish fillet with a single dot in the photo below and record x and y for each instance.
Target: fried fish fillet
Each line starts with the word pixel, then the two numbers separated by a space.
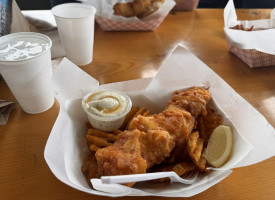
pixel 124 157
pixel 134 152
pixel 90 168
pixel 142 149
pixel 151 139
pixel 192 100
pixel 138 8
pixel 124 9
pixel 177 123
pixel 142 7
pixel 178 118
pixel 192 103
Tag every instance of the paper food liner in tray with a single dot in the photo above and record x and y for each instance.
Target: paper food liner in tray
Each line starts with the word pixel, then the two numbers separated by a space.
pixel 66 147
pixel 256 48
pixel 110 22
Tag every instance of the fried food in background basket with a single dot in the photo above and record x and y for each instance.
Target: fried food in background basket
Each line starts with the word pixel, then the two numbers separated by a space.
pixel 241 27
pixel 170 140
pixel 137 8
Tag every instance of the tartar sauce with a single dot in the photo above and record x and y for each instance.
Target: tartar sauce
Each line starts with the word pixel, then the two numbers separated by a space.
pixel 106 104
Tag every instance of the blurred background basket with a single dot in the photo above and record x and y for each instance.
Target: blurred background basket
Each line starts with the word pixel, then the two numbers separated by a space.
pixel 112 25
pixel 252 57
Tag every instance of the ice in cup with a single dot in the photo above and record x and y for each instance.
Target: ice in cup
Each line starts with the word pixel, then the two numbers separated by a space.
pixel 75 23
pixel 106 109
pixel 25 64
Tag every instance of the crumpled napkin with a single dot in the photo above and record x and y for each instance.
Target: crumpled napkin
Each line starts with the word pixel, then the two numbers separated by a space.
pixel 5 110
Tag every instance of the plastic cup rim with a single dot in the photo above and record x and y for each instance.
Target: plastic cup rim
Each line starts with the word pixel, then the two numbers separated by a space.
pixel 22 34
pixel 107 118
pixel 80 5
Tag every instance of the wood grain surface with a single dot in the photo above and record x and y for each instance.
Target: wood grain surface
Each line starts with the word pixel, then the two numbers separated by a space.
pixel 120 56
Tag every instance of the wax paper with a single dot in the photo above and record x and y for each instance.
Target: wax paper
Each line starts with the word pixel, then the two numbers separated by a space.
pixel 66 148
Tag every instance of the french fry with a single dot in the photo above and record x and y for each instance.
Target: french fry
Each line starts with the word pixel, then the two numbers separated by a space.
pixel 179 168
pixel 201 165
pixel 116 132
pixel 128 117
pixel 192 142
pixel 207 124
pixel 139 112
pixel 194 149
pixel 97 141
pixel 89 125
pixel 147 113
pixel 93 147
pixel 198 150
pixel 102 134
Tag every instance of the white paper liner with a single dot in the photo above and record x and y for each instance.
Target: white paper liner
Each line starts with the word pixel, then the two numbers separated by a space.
pixel 66 147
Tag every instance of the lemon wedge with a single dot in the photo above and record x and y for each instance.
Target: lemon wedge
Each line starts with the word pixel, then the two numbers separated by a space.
pixel 219 146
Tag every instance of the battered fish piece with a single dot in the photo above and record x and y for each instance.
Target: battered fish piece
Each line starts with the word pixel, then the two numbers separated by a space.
pixel 138 8
pixel 150 143
pixel 142 7
pixel 156 4
pixel 124 9
pixel 177 124
pixel 192 100
pixel 124 157
pixel 134 152
pixel 90 168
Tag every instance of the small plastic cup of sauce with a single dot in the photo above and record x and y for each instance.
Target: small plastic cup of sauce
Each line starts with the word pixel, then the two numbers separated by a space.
pixel 106 109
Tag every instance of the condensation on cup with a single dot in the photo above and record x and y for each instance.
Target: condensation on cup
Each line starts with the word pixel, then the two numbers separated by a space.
pixel 25 64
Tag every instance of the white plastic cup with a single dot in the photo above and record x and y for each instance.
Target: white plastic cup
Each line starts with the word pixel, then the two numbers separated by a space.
pixel 75 23
pixel 27 69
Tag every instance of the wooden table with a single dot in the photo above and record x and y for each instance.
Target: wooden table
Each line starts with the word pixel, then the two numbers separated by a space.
pixel 120 56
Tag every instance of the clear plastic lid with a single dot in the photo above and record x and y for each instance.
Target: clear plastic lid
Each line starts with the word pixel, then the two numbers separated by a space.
pixel 23 46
